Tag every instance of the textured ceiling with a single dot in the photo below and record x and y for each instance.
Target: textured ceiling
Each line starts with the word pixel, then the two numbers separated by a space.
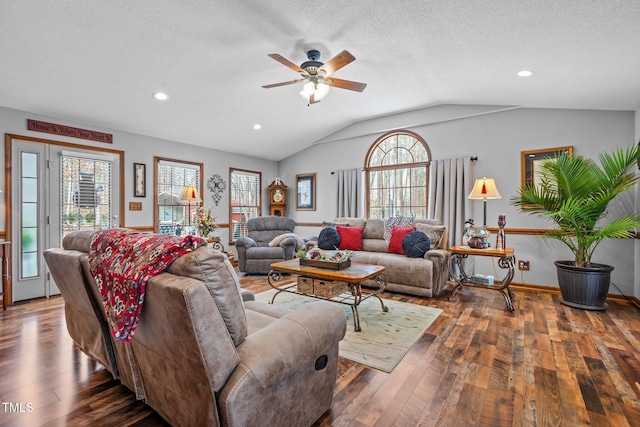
pixel 98 62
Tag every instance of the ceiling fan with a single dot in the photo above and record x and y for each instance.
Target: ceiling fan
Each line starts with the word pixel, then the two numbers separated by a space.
pixel 317 75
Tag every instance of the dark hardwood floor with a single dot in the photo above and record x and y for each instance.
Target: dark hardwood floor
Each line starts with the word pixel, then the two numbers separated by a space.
pixel 478 364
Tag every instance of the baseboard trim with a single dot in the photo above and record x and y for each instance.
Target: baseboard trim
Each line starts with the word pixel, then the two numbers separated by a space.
pixel 541 288
pixel 556 290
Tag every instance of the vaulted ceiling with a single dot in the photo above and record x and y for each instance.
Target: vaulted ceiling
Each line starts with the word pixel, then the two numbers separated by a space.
pixel 98 62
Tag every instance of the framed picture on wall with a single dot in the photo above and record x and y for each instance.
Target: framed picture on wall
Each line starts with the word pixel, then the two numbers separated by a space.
pixel 531 161
pixel 306 192
pixel 139 180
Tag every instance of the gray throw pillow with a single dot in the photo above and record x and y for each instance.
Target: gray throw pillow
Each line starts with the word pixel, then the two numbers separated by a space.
pixel 396 221
pixel 433 232
pixel 300 243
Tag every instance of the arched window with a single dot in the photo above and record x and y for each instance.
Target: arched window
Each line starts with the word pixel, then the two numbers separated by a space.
pixel 397 169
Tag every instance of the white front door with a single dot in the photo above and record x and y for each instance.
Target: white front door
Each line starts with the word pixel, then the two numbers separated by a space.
pixel 54 192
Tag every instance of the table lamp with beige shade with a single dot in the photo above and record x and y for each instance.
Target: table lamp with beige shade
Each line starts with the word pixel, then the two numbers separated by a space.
pixel 484 189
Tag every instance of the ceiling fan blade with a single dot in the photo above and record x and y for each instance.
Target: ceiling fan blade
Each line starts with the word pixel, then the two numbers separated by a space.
pixel 284 61
pixel 283 83
pixel 345 84
pixel 337 62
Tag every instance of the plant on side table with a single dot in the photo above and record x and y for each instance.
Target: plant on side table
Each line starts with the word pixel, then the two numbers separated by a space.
pixel 206 221
pixel 575 193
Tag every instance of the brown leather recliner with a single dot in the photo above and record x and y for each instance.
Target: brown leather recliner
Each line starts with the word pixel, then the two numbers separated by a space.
pixel 201 356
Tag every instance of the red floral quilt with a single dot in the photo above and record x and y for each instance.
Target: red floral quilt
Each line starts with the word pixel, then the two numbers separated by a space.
pixel 122 261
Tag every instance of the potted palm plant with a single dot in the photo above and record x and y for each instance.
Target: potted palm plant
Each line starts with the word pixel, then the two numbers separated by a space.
pixel 575 193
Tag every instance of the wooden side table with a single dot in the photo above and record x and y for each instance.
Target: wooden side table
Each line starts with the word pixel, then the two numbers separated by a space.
pixel 506 260
pixel 5 247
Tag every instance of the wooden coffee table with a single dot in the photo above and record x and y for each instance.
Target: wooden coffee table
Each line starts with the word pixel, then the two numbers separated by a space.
pixel 353 276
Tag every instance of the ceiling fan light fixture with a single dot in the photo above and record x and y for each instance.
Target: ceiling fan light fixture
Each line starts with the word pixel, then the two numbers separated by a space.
pixel 307 90
pixel 321 91
pixel 317 75
pixel 317 90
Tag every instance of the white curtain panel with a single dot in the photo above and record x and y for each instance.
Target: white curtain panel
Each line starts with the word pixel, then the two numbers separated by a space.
pixel 350 193
pixel 450 181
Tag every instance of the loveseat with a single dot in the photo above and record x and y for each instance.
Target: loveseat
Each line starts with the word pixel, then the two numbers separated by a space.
pixel 425 276
pixel 204 352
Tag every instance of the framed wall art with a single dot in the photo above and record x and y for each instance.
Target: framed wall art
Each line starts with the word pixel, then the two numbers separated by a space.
pixel 306 192
pixel 531 161
pixel 139 180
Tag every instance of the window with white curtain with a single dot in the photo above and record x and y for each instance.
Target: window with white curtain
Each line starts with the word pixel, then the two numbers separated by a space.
pixel 397 169
pixel 245 200
pixel 172 214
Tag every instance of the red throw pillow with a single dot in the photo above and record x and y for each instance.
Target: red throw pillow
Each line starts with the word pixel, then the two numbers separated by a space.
pixel 350 238
pixel 397 234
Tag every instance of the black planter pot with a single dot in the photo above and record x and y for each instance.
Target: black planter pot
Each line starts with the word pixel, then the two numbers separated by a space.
pixel 584 287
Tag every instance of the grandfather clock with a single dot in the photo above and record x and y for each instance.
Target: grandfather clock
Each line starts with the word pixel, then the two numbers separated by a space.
pixel 277 198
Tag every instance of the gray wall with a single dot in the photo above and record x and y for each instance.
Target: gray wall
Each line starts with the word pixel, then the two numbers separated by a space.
pixel 637 242
pixel 142 149
pixel 497 135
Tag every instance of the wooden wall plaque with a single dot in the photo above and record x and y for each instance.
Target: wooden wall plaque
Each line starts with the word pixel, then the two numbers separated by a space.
pixel 53 128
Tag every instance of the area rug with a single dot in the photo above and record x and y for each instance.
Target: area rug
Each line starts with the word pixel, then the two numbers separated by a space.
pixel 385 337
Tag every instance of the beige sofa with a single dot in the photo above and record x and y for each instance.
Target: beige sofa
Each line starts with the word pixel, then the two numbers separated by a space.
pixel 416 276
pixel 201 356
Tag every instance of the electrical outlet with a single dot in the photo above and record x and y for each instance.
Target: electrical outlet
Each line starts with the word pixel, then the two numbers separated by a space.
pixel 524 265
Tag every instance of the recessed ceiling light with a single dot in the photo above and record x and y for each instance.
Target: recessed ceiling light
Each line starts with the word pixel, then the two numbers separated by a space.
pixel 160 96
pixel 257 126
pixel 525 73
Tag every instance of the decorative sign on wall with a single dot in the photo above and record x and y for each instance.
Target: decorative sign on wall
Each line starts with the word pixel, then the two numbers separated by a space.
pixel 216 185
pixel 69 131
